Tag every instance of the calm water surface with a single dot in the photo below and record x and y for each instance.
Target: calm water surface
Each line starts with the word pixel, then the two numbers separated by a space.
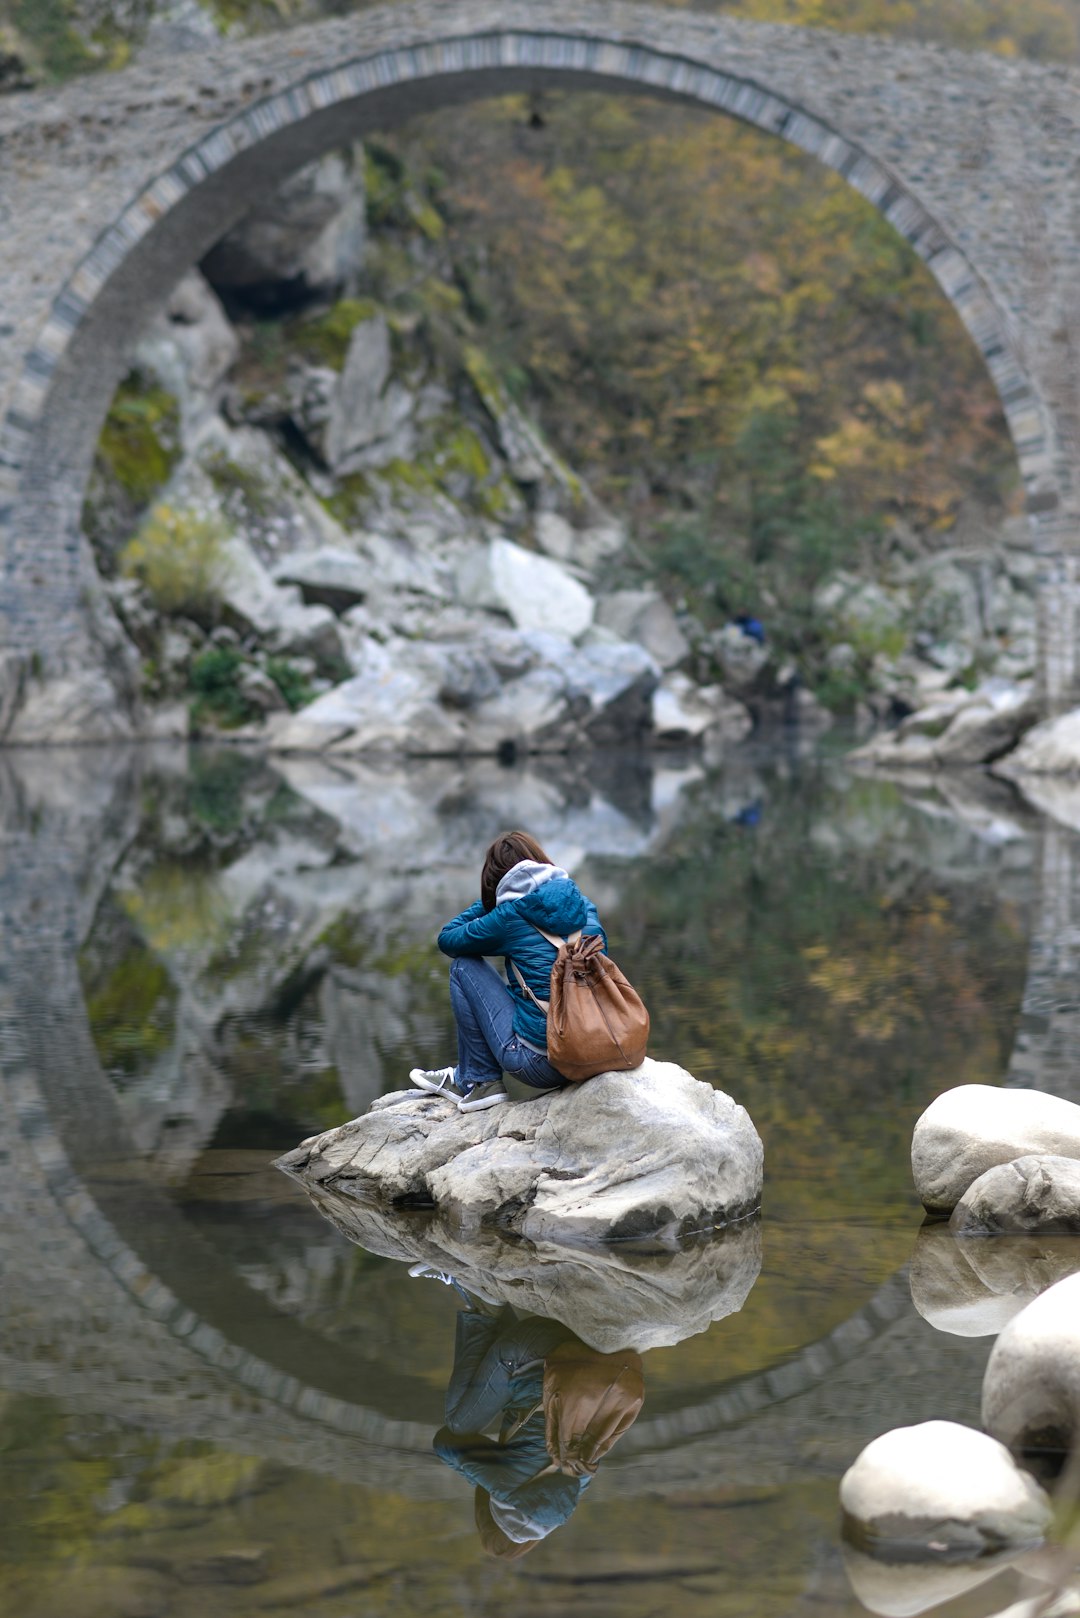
pixel 212 1401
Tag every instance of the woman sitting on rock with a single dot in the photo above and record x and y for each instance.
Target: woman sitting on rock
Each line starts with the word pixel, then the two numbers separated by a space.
pixel 499 1028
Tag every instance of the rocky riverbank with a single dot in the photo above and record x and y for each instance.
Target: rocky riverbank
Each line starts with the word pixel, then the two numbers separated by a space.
pixel 325 523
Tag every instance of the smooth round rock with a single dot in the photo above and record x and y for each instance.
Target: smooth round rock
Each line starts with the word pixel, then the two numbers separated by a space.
pixel 652 1153
pixel 1031 1390
pixel 1030 1194
pixel 939 1488
pixel 976 1126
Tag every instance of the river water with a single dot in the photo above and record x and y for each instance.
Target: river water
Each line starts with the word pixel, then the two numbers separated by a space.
pixel 212 1401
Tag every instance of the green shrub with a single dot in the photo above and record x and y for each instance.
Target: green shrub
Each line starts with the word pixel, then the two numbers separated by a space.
pixel 290 681
pixel 215 680
pixel 140 441
pixel 179 556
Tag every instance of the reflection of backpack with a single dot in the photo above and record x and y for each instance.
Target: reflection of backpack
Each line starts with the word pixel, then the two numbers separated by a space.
pixel 590 1399
pixel 596 1023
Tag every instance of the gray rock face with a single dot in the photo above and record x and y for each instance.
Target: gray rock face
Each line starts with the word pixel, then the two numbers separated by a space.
pixel 644 616
pixel 957 728
pixel 1029 1194
pixel 612 1297
pixel 190 348
pixel 1031 1391
pixel 254 604
pixel 308 237
pixel 497 689
pixel 942 1483
pixel 77 707
pixel 970 1129
pixel 331 577
pixel 974 1288
pixel 369 412
pixel 653 1153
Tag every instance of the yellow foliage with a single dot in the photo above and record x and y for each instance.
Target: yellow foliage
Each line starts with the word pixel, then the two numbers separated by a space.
pixel 179 556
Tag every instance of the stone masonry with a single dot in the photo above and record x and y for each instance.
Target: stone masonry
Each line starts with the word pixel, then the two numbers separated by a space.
pixel 111 188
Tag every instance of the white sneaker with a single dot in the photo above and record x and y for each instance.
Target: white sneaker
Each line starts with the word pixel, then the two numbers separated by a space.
pixel 428 1273
pixel 439 1079
pixel 492 1094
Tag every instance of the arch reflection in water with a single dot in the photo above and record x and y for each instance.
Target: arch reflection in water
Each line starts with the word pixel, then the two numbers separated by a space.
pixel 547 1373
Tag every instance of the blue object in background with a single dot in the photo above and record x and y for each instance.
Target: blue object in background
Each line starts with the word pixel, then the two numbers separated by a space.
pixel 752 627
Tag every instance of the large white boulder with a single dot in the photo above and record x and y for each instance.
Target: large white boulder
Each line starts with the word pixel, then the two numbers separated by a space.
pixel 683 711
pixel 1052 748
pixel 613 1297
pixel 1029 1194
pixel 970 1129
pixel 1031 1390
pixel 940 1487
pixel 534 591
pixel 972 1288
pixel 644 616
pixel 652 1153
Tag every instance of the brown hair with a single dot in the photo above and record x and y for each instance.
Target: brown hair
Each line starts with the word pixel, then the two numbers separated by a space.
pixel 505 852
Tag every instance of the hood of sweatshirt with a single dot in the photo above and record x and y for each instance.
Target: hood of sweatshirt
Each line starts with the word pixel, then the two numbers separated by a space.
pixel 545 895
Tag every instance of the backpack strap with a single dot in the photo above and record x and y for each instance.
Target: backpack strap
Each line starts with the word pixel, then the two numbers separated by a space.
pixel 556 941
pixel 541 1005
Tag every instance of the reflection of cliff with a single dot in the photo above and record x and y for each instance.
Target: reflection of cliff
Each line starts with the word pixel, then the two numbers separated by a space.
pixel 281 929
pixel 86 1235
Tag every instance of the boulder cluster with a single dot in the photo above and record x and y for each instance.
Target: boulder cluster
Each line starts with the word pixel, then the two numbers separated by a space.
pixel 936 1509
pixel 325 524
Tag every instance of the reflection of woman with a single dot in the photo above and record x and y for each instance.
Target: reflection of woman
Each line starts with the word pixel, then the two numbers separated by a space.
pixel 559 1406
pixel 500 1027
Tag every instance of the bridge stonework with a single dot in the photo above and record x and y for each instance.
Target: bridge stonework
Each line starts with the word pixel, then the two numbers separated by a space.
pixel 111 188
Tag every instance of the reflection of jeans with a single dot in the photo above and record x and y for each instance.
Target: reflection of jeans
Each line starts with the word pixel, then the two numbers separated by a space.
pixel 483 1009
pixel 490 1353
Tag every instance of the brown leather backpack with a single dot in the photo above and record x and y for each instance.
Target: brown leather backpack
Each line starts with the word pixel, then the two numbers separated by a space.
pixel 590 1399
pixel 596 1022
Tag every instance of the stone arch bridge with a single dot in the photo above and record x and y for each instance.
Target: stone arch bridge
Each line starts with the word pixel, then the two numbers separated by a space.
pixel 111 188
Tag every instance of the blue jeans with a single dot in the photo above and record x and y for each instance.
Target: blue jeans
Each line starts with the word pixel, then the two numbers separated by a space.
pixel 483 1010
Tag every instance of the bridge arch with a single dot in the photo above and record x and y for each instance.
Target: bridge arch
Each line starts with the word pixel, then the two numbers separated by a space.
pixel 70 372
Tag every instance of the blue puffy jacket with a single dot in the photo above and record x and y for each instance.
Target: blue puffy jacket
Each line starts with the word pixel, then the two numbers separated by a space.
pixel 530 895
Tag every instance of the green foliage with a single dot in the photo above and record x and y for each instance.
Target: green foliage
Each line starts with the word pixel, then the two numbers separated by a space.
pixel 139 443
pixel 215 680
pixel 131 1012
pixel 324 339
pixel 349 501
pixel 767 354
pixel 180 558
pixel 216 782
pixel 290 681
pixel 46 28
pixel 239 482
